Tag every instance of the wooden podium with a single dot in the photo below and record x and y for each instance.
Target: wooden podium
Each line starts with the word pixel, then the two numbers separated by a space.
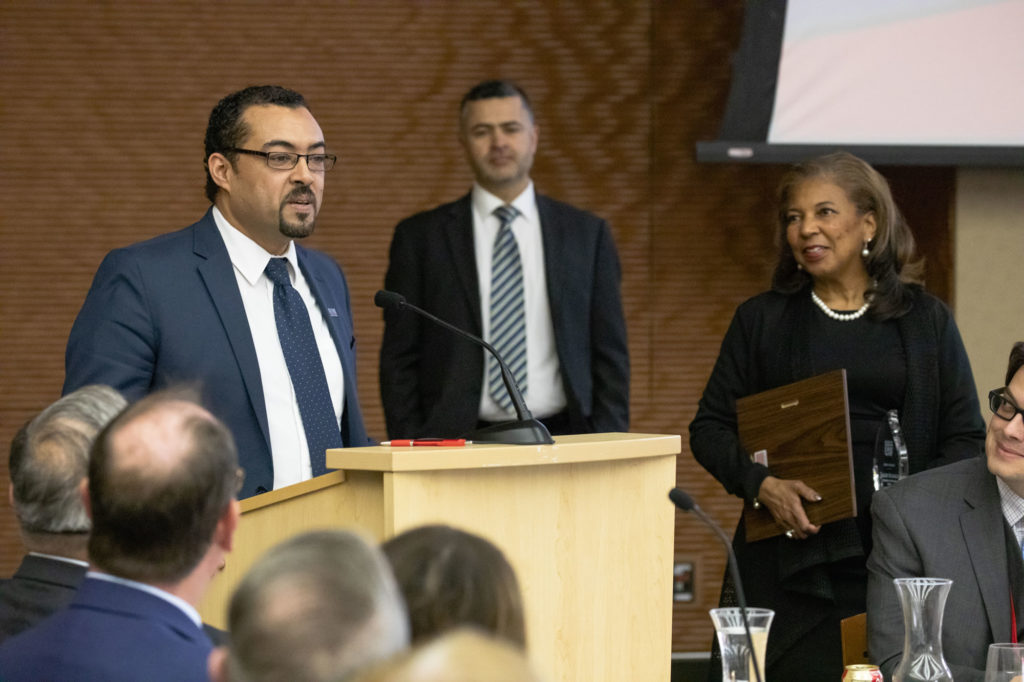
pixel 585 523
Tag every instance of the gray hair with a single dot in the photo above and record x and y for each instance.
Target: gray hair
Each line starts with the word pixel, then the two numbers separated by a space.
pixel 50 457
pixel 315 608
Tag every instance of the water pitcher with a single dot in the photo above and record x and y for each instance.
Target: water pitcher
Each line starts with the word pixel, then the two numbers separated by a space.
pixel 923 601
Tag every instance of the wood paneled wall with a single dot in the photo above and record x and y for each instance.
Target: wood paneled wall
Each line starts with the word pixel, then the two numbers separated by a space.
pixel 102 121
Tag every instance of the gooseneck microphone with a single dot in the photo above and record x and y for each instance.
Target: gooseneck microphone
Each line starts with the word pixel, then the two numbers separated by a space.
pixel 683 501
pixel 525 430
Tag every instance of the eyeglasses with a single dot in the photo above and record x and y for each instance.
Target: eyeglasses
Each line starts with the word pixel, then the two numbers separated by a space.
pixel 287 160
pixel 1002 406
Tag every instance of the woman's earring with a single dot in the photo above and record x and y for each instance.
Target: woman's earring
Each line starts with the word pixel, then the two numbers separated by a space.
pixel 864 252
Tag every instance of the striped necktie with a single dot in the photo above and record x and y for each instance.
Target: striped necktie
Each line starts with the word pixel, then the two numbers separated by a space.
pixel 508 315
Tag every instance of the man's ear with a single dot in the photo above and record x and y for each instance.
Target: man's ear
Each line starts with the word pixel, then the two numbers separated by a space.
pixel 217 664
pixel 221 170
pixel 228 524
pixel 83 490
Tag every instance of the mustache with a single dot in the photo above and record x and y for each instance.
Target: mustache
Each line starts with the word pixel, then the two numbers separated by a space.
pixel 301 194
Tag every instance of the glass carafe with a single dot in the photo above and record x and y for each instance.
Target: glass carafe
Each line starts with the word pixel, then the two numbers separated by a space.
pixel 923 601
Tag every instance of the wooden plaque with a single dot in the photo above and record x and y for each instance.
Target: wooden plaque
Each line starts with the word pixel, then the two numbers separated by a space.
pixel 801 431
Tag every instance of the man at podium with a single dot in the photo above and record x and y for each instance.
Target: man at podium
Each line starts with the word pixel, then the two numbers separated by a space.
pixel 234 304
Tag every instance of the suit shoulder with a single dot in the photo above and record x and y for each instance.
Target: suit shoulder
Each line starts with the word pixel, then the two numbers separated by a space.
pixel 941 484
pixel 158 248
pixel 566 211
pixel 436 215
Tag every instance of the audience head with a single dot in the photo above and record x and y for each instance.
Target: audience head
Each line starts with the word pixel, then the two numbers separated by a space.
pixel 48 461
pixel 1004 443
pixel 463 655
pixel 162 483
pixel 314 608
pixel 892 260
pixel 499 137
pixel 451 578
pixel 227 128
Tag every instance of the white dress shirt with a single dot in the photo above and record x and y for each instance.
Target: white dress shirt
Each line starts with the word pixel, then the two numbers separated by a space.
pixel 545 393
pixel 287 435
pixel 1013 509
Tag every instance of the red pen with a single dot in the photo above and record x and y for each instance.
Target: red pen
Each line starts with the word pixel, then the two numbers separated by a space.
pixel 436 442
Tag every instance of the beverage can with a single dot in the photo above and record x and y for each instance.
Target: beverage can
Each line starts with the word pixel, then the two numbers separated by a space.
pixel 862 672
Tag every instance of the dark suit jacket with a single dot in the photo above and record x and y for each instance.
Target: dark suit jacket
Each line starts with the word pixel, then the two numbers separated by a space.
pixel 109 632
pixel 942 523
pixel 168 311
pixel 431 379
pixel 39 587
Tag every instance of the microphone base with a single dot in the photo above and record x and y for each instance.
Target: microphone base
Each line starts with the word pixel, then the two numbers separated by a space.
pixel 521 432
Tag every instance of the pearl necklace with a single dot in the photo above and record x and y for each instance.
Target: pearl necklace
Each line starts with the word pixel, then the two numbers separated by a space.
pixel 841 317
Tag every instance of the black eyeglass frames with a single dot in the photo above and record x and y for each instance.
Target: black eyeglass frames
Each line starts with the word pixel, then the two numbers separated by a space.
pixel 287 160
pixel 1002 406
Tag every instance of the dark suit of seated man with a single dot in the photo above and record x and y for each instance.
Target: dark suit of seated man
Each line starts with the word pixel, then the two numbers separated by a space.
pixel 49 459
pixel 162 485
pixel 965 522
pixel 234 304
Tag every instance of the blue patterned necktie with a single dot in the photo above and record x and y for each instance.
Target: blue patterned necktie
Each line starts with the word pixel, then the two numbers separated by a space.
pixel 305 367
pixel 508 315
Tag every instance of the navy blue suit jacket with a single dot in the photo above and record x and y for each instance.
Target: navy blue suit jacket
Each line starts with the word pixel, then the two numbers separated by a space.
pixel 168 311
pixel 109 632
pixel 431 379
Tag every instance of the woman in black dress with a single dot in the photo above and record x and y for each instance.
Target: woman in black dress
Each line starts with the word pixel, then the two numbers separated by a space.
pixel 845 294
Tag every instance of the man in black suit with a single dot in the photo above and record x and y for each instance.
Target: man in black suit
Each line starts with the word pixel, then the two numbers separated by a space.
pixel 576 363
pixel 49 459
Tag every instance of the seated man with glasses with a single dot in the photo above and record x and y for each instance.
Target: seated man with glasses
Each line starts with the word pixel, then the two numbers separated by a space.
pixel 233 304
pixel 965 522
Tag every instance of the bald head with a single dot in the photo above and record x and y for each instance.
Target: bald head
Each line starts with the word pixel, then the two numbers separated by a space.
pixel 160 478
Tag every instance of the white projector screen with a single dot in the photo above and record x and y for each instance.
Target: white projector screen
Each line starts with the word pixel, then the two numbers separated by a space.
pixel 909 81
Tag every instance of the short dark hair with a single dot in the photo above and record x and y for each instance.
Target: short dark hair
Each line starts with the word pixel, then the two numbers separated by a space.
pixel 495 89
pixel 50 457
pixel 153 522
pixel 315 607
pixel 1016 361
pixel 452 578
pixel 227 129
pixel 892 263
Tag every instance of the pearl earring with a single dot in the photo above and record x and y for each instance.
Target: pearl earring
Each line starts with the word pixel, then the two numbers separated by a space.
pixel 864 252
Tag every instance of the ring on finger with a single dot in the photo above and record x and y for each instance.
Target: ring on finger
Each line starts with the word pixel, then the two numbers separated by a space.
pixel 790 534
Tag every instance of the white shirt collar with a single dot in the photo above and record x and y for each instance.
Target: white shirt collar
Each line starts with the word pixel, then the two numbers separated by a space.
pixel 484 202
pixel 1012 503
pixel 248 257
pixel 54 557
pixel 187 608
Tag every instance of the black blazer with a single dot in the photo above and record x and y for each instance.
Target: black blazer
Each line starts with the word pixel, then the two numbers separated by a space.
pixel 39 587
pixel 431 379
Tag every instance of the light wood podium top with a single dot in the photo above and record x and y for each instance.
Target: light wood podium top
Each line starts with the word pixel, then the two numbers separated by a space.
pixel 592 447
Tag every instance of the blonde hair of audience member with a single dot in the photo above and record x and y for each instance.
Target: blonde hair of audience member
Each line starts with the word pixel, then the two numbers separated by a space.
pixel 314 608
pixel 450 578
pixel 461 655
